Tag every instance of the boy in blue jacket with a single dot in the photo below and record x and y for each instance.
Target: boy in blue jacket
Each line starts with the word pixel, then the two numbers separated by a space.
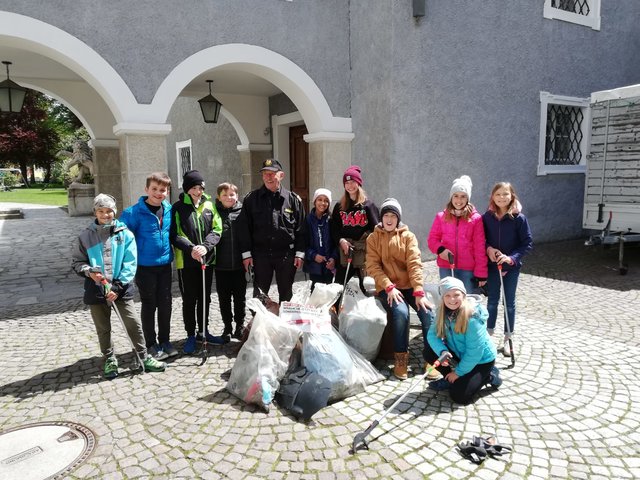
pixel 106 251
pixel 150 221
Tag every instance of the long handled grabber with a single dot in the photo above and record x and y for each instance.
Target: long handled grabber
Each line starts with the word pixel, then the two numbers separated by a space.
pixel 107 288
pixel 204 314
pixel 346 278
pixel 506 317
pixel 360 437
pixel 452 263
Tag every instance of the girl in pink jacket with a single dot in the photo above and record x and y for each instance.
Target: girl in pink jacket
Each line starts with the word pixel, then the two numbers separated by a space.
pixel 457 238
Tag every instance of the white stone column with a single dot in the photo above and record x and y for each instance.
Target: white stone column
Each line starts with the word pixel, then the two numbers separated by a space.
pixel 106 167
pixel 143 149
pixel 329 157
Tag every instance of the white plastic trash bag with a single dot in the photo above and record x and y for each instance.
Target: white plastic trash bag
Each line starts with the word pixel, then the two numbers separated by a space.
pixel 324 295
pixel 305 317
pixel 263 359
pixel 362 321
pixel 328 355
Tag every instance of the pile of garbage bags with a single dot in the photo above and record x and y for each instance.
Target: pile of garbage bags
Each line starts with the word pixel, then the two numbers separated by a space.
pixel 300 359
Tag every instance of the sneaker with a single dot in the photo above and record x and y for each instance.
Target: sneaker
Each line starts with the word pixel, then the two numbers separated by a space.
pixel 439 385
pixel 189 345
pixel 506 349
pixel 228 330
pixel 157 352
pixel 491 331
pixel 169 350
pixel 153 365
pixel 494 378
pixel 433 374
pixel 239 332
pixel 213 339
pixel 111 368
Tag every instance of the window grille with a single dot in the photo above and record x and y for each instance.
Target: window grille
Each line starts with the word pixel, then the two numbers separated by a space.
pixel 581 12
pixel 564 135
pixel 581 7
pixel 184 157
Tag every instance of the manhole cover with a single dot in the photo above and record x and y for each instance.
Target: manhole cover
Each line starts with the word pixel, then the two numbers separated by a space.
pixel 44 450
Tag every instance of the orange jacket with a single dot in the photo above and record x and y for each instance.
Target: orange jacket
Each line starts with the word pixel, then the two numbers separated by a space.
pixel 394 258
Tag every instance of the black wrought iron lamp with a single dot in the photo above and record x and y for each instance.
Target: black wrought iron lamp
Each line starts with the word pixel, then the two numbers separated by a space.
pixel 11 94
pixel 210 106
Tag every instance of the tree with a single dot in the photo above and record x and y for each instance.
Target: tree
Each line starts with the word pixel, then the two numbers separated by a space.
pixel 35 135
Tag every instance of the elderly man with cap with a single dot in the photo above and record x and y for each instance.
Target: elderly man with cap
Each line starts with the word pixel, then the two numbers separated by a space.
pixel 272 237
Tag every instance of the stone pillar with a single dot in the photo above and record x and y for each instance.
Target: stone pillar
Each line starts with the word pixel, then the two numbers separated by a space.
pixel 251 158
pixel 329 157
pixel 143 149
pixel 106 168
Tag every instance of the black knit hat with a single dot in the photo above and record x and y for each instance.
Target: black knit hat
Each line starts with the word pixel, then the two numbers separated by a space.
pixel 393 206
pixel 191 179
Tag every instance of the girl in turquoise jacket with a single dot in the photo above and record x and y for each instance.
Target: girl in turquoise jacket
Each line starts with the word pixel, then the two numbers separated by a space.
pixel 460 328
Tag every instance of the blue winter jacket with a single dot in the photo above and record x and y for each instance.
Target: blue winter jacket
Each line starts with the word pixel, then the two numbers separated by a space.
pixel 512 236
pixel 319 242
pixel 118 265
pixel 473 347
pixel 152 237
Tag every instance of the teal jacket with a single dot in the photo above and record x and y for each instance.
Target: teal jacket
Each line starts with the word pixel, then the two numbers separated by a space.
pixel 473 347
pixel 113 250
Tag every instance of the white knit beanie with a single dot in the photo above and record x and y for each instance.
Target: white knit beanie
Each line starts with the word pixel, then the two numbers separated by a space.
pixel 102 200
pixel 461 185
pixel 322 191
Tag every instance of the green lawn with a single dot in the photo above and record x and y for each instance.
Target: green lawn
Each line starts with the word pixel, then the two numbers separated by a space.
pixel 50 196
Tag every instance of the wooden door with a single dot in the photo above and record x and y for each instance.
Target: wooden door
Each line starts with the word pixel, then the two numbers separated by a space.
pixel 299 158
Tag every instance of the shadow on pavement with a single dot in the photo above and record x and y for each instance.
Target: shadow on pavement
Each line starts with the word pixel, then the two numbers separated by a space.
pixel 575 262
pixel 85 371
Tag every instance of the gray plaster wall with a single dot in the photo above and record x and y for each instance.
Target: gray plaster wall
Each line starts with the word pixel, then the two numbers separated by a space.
pixel 145 39
pixel 458 93
pixel 213 146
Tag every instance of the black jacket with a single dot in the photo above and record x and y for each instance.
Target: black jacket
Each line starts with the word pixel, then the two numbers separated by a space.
pixel 272 223
pixel 228 254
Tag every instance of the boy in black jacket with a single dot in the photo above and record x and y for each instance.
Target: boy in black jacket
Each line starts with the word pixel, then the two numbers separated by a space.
pixel 230 276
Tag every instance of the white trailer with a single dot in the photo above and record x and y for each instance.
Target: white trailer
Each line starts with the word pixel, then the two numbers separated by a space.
pixel 612 185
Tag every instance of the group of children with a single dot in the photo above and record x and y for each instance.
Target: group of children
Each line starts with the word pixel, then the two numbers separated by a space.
pixel 472 250
pixel 115 256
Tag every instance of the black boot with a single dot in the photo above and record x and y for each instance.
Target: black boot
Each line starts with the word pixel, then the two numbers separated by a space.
pixel 239 331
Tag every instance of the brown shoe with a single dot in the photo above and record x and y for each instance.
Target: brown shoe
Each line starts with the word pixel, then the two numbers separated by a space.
pixel 433 374
pixel 400 366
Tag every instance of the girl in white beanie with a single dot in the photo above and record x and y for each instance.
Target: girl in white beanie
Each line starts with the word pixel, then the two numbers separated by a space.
pixel 457 237
pixel 321 252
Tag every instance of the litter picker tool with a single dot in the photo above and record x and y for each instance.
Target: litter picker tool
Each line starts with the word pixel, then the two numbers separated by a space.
pixel 204 314
pixel 452 263
pixel 346 278
pixel 506 317
pixel 107 288
pixel 360 438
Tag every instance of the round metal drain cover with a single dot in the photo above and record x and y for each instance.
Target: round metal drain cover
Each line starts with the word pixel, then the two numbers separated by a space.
pixel 44 450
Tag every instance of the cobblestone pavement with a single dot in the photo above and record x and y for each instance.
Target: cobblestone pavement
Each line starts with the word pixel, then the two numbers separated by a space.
pixel 570 408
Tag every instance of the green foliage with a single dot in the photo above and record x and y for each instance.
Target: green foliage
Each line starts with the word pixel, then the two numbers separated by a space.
pixel 34 136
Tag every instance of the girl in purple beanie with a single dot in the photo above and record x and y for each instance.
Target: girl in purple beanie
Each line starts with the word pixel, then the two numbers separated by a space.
pixel 353 219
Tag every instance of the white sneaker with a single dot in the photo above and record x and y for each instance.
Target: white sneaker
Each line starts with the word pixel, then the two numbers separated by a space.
pixel 506 350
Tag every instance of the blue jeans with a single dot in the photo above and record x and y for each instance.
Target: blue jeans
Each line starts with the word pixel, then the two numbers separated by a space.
pixel 465 275
pixel 400 319
pixel 510 281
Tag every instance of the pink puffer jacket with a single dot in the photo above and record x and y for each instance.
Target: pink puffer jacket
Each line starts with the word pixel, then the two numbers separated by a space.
pixel 465 238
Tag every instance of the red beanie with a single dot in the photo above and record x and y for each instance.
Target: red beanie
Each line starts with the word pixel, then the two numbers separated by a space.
pixel 354 172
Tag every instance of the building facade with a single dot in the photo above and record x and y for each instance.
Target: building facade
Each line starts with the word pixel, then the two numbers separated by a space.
pixel 495 90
